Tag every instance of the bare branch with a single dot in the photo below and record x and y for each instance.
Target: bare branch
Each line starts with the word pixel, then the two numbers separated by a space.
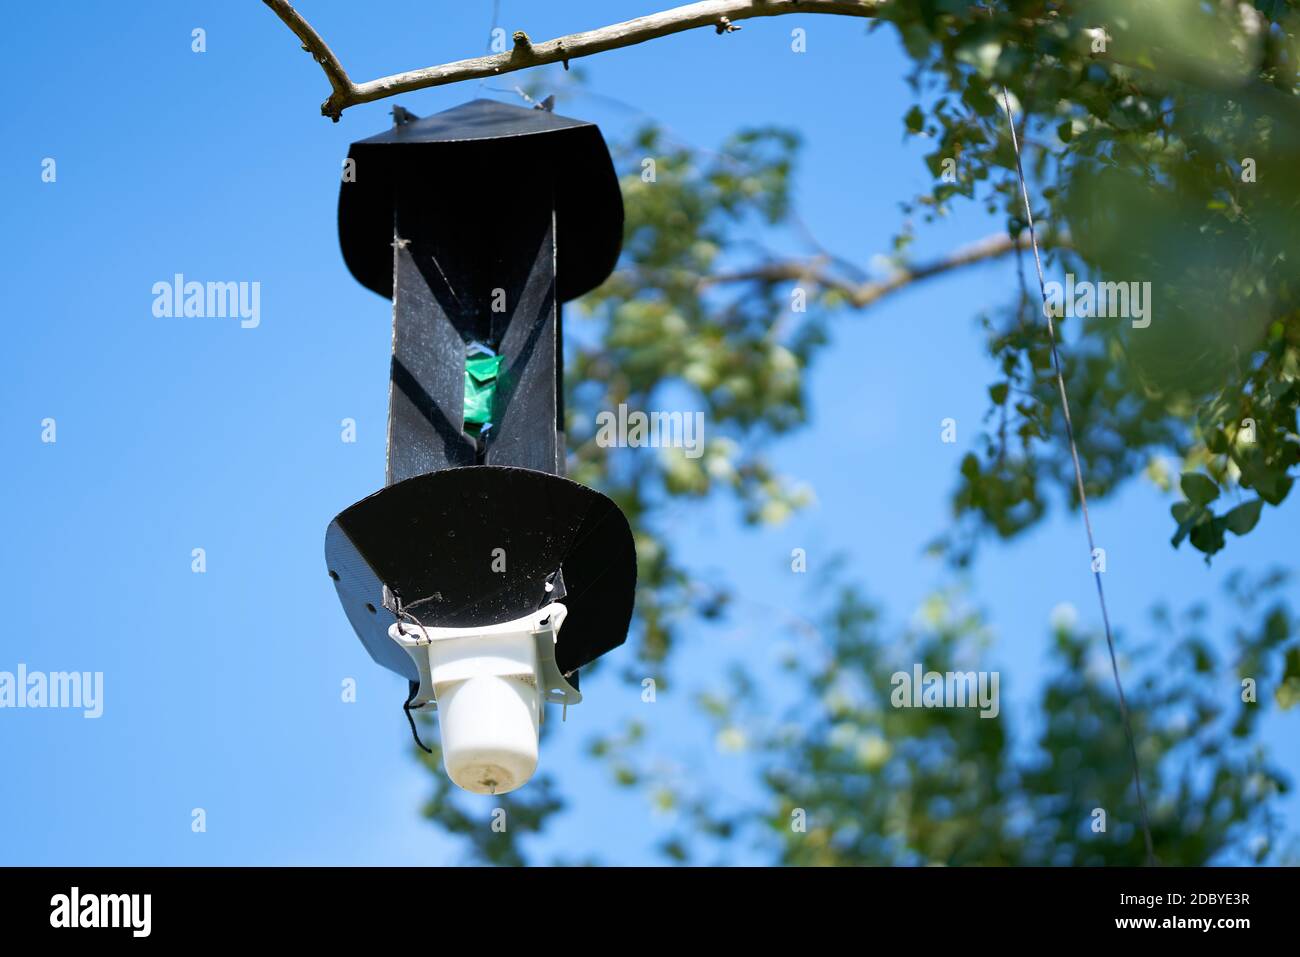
pixel 719 14
pixel 344 89
pixel 815 271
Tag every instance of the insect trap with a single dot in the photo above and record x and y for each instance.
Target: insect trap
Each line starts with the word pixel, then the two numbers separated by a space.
pixel 479 572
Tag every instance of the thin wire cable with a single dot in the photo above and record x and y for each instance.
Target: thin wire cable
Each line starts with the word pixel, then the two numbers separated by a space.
pixel 413 687
pixel 1078 480
pixel 406 706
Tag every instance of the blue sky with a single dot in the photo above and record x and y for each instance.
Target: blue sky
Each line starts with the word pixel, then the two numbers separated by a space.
pixel 222 689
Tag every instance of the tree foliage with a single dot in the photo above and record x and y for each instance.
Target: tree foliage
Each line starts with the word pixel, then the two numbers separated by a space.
pixel 1149 128
pixel 1161 141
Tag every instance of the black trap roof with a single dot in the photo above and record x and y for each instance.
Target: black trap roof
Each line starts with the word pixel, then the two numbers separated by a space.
pixel 487 145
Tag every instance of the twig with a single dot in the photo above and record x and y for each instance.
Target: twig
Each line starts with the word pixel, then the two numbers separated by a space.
pixel 719 14
pixel 343 88
pixel 861 295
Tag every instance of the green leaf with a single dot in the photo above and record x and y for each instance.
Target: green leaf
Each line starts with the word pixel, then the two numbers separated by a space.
pixel 1244 517
pixel 915 119
pixel 1288 692
pixel 998 393
pixel 1199 489
pixel 1273 487
pixel 1208 536
pixel 1187 516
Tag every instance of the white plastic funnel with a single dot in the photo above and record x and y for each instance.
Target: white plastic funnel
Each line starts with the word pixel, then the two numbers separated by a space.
pixel 485 683
pixel 486 688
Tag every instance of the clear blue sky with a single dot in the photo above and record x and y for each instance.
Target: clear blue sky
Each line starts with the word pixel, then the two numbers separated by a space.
pixel 222 690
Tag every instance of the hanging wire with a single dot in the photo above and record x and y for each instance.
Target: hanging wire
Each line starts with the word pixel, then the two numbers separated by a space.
pixel 406 706
pixel 413 687
pixel 1078 480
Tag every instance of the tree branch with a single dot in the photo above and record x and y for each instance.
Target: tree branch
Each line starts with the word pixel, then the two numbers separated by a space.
pixel 861 295
pixel 343 88
pixel 719 14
